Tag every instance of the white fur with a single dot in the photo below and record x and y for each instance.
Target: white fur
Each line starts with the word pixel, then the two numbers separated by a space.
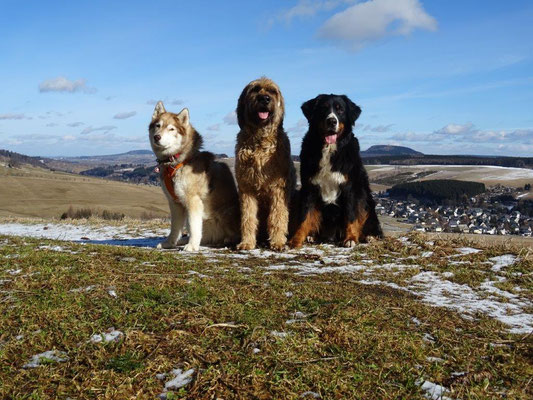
pixel 333 115
pixel 326 179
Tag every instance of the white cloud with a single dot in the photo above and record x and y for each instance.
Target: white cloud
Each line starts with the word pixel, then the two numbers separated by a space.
pixel 372 20
pixel 51 124
pixel 299 128
pixel 125 115
pixel 13 116
pixel 456 129
pixel 90 129
pixel 468 134
pixel 62 84
pixel 231 118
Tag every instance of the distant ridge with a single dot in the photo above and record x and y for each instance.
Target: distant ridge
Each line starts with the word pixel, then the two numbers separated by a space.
pixel 389 150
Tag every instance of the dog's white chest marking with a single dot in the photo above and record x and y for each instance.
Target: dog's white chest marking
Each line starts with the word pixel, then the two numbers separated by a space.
pixel 327 180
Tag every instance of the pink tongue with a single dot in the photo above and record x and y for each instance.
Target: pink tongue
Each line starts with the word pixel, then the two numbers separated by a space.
pixel 331 139
pixel 263 115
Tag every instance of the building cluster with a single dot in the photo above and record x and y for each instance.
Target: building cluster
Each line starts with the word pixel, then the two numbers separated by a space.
pixel 493 213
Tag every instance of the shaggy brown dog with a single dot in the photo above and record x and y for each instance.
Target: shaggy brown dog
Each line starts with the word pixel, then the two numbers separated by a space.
pixel 263 165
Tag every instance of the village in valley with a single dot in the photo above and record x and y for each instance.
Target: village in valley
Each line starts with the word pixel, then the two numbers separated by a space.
pixel 495 212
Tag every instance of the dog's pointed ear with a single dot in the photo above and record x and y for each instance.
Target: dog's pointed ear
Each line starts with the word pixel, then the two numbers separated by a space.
pixel 308 107
pixel 183 116
pixel 158 110
pixel 354 111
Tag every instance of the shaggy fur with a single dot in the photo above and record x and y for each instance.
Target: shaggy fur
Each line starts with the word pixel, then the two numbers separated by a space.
pixel 204 190
pixel 335 199
pixel 263 165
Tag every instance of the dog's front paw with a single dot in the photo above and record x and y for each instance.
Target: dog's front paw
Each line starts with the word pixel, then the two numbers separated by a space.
pixel 349 243
pixel 246 246
pixel 295 244
pixel 277 245
pixel 191 247
pixel 166 245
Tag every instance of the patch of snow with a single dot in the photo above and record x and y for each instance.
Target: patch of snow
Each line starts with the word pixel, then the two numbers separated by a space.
pixel 199 275
pixel 433 391
pixel 426 254
pixel 83 289
pixel 45 358
pixel 256 350
pixel 458 374
pixel 463 251
pixel 288 294
pixel 112 293
pixel 14 271
pixel 307 394
pixel 111 335
pixel 447 274
pixel 503 261
pixel 180 378
pixel 416 321
pixel 464 299
pixel 279 334
pixel 428 338
pixel 435 359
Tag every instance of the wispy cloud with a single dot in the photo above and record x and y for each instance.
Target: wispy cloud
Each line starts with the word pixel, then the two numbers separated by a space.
pixel 175 102
pixel 307 8
pixel 75 124
pixel 13 116
pixel 125 115
pixel 377 128
pixel 104 129
pixel 230 118
pixel 468 133
pixel 62 84
pixel 372 20
pixel 214 128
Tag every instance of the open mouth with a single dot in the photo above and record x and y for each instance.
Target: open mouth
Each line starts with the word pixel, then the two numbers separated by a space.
pixel 331 139
pixel 263 115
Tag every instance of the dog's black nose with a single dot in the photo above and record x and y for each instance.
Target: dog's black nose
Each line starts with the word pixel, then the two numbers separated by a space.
pixel 265 99
pixel 331 122
pixel 157 138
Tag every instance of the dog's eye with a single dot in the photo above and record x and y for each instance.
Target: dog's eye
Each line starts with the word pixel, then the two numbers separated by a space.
pixel 339 108
pixel 158 125
pixel 171 128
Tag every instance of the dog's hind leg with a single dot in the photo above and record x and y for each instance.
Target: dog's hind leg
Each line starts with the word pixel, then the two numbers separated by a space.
pixel 177 219
pixel 249 221
pixel 196 212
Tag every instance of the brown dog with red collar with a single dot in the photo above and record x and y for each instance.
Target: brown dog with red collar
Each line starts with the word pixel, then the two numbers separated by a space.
pixel 199 189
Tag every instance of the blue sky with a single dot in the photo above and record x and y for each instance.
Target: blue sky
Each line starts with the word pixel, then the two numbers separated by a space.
pixel 442 77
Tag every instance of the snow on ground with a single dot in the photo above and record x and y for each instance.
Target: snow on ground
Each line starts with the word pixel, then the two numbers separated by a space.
pixel 47 357
pixel 112 335
pixel 433 391
pixel 431 287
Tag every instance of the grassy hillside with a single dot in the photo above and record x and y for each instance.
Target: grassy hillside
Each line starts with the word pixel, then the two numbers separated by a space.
pixel 262 325
pixel 35 192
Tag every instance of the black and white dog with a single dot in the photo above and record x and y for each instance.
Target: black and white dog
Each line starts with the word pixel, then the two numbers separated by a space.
pixel 335 202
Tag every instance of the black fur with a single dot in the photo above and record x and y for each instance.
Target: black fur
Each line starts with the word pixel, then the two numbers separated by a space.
pixel 355 194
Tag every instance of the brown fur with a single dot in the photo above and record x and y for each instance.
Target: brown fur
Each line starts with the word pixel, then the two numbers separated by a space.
pixel 354 230
pixel 263 166
pixel 205 191
pixel 308 227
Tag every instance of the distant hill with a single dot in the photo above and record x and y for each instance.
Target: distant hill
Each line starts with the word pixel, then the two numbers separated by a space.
pixel 15 160
pixel 389 150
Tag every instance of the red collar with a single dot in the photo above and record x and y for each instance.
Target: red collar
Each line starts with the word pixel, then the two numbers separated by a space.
pixel 170 159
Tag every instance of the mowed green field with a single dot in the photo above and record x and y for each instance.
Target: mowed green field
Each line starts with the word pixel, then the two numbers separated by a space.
pixel 35 192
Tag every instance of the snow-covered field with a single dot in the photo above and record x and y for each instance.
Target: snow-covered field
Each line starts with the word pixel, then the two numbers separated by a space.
pixel 431 287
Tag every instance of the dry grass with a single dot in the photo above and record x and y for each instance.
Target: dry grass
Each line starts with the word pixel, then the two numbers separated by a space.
pixel 33 192
pixel 357 341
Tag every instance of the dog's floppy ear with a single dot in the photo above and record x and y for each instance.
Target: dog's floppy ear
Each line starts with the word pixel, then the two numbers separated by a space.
pixel 353 109
pixel 240 107
pixel 183 116
pixel 309 106
pixel 158 110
